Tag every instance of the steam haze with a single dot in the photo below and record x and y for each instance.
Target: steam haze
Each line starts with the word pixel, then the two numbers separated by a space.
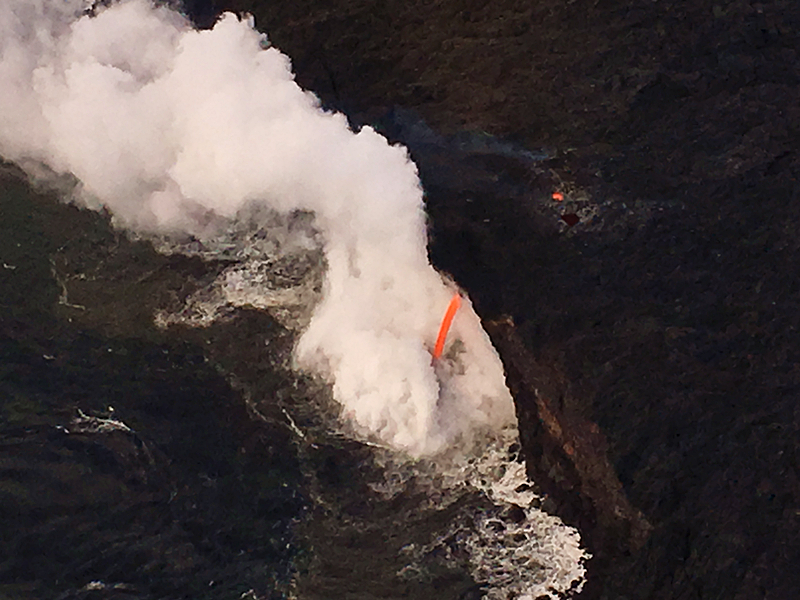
pixel 168 127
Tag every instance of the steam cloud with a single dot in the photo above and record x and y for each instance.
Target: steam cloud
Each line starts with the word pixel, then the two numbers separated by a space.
pixel 165 125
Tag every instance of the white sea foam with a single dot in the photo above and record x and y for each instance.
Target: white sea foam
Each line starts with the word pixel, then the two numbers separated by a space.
pixel 514 548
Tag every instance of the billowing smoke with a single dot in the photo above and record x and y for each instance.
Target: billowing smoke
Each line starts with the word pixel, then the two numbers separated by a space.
pixel 169 128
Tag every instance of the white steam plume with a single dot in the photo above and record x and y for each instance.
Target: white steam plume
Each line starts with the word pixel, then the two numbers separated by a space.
pixel 166 126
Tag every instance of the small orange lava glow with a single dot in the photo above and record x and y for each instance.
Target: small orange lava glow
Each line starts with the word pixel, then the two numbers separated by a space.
pixel 558 196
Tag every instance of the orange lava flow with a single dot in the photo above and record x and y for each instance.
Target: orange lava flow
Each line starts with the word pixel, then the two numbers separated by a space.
pixel 452 308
